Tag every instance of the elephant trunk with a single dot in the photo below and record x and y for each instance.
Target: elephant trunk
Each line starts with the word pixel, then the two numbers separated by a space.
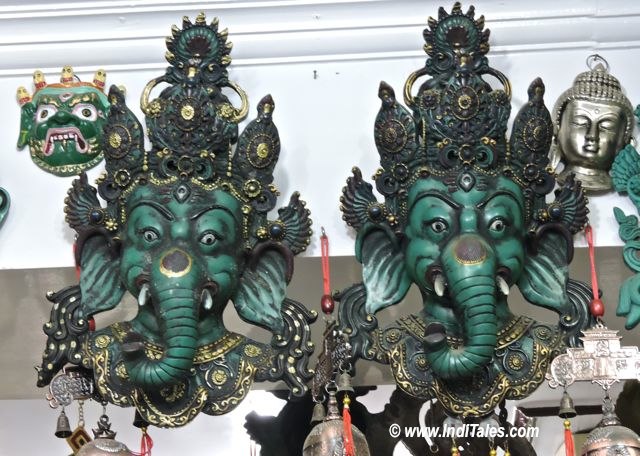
pixel 177 314
pixel 469 267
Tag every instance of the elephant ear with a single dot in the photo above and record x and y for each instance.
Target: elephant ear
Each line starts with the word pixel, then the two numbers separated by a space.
pixel 385 277
pixel 99 260
pixel 546 273
pixel 262 286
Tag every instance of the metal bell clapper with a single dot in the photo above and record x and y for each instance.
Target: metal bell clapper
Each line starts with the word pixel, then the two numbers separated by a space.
pixel 567 409
pixel 63 429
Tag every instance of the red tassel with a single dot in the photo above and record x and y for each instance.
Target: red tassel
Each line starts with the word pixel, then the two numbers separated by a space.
pixel 146 443
pixel 347 435
pixel 568 439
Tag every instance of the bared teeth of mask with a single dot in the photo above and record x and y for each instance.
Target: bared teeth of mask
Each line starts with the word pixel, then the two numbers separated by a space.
pixel 143 297
pixel 503 286
pixel 207 300
pixel 439 285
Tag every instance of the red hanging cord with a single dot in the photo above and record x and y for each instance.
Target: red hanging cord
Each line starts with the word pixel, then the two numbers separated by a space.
pixel 146 443
pixel 597 306
pixel 326 303
pixel 347 434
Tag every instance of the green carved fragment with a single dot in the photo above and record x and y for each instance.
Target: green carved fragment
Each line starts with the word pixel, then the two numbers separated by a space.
pixel 625 174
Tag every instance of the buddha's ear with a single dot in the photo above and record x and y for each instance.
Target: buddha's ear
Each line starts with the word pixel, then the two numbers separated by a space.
pixel 385 277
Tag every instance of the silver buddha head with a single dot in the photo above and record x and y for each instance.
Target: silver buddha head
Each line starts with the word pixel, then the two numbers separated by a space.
pixel 593 121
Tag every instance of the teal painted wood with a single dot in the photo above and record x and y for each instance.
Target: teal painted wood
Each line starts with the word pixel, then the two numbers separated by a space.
pixel 185 229
pixel 464 217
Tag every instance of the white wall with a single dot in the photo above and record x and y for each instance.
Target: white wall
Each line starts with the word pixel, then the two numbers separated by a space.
pixel 322 61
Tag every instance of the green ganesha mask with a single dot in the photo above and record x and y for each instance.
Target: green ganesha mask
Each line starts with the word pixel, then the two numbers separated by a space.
pixel 62 123
pixel 465 219
pixel 185 231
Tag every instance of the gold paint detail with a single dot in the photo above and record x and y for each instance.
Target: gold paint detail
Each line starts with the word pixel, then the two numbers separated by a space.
pixel 490 394
pixel 121 371
pixel 187 112
pixel 219 377
pixel 246 373
pixel 173 393
pixel 263 150
pixel 252 350
pixel 115 140
pixel 153 415
pixel 167 273
pixel 103 341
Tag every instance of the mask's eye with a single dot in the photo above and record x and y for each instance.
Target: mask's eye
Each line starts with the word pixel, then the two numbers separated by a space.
pixel 150 235
pixel 85 112
pixel 45 112
pixel 438 226
pixel 498 225
pixel 208 238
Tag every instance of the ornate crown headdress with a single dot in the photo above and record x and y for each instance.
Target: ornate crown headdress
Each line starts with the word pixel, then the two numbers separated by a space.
pixel 456 132
pixel 193 127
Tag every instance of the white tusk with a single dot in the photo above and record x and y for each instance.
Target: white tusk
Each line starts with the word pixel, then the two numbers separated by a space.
pixel 208 300
pixel 502 285
pixel 439 285
pixel 143 297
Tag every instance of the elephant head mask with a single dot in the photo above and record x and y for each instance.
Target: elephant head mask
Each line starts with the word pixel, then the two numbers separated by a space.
pixel 464 218
pixel 185 231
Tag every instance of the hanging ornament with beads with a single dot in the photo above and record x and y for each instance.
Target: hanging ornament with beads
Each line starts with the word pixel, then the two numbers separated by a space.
pixel 601 360
pixel 333 434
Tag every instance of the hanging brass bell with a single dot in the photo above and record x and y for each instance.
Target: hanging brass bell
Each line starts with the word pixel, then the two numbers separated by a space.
pixel 318 413
pixel 63 429
pixel 566 407
pixel 344 383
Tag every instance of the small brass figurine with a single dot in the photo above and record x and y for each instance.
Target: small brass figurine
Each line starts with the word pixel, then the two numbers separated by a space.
pixel 593 120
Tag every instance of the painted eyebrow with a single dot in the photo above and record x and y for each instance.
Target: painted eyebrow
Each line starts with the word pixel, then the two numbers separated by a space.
pixel 163 211
pixel 212 207
pixel 436 194
pixel 481 204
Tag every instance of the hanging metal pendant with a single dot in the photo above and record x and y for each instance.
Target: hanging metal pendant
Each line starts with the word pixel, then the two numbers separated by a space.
pixel 326 439
pixel 567 409
pixel 593 121
pixel 609 437
pixel 104 443
pixel 63 429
